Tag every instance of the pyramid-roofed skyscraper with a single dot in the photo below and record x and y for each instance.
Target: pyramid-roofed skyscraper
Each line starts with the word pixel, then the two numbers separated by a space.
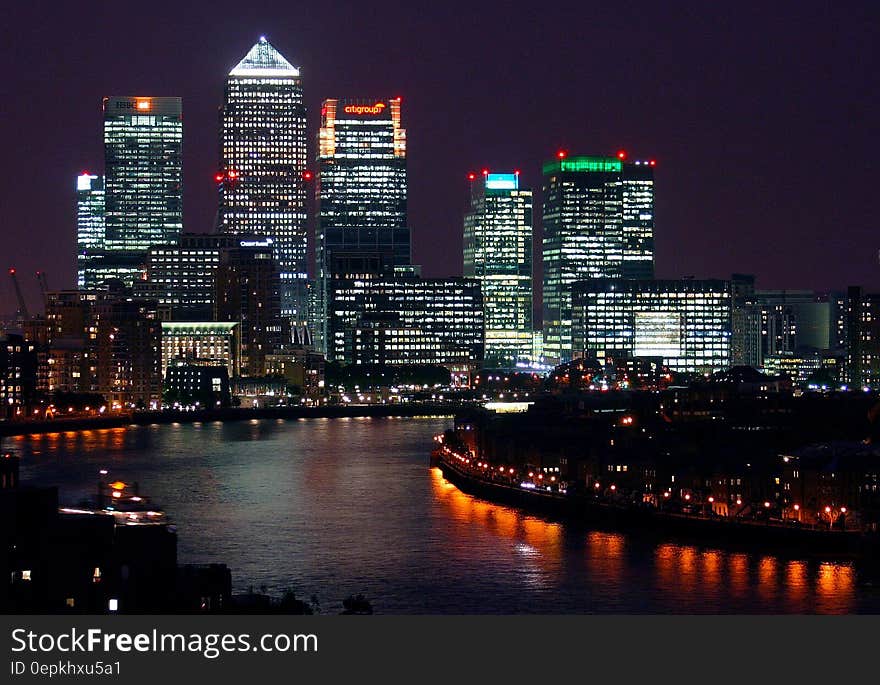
pixel 262 165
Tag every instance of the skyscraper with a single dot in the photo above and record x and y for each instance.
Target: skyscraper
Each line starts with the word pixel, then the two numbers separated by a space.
pixel 143 139
pixel 262 171
pixel 362 187
pixel 498 253
pixel 598 221
pixel 89 226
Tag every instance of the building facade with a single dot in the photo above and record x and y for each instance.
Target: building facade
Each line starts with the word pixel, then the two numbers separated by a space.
pixel 248 293
pixel 684 323
pixel 598 222
pixel 89 227
pixel 180 277
pixel 372 304
pixel 262 176
pixel 215 343
pixel 862 326
pixel 18 375
pixel 498 253
pixel 143 152
pixel 362 189
pixel 127 346
pixel 196 385
pixel 104 342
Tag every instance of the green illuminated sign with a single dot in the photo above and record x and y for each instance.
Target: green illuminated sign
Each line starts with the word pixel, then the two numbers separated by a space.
pixel 583 164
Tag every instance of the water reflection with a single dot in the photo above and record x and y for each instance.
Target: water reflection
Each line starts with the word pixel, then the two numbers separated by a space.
pixel 334 507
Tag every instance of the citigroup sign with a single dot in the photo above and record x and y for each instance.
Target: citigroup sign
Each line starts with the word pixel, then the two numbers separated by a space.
pixel 365 109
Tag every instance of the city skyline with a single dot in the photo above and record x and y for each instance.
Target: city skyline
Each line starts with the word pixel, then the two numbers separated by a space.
pixel 711 156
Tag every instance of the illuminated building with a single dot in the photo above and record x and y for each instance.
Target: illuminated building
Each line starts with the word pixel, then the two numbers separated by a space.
pixel 384 339
pixel 205 342
pixel 793 319
pixel 300 367
pixel 70 342
pixel 685 323
pixel 362 188
pixel 247 292
pixel 18 375
pixel 143 181
pixel 89 226
pixel 498 253
pixel 745 338
pixel 180 277
pixel 598 222
pixel 200 385
pixel 104 342
pixel 862 326
pixel 262 175
pixel 127 344
pixel 372 304
pixel 804 368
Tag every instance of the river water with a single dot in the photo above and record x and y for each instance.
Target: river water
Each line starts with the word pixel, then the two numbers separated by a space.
pixel 335 507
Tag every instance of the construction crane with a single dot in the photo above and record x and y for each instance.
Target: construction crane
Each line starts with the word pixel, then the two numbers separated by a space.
pixel 44 285
pixel 23 313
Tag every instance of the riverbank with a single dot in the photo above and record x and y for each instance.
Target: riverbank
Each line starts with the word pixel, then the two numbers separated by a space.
pixel 784 540
pixel 147 418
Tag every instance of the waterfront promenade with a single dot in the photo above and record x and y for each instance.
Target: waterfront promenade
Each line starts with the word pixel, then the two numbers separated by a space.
pixel 145 418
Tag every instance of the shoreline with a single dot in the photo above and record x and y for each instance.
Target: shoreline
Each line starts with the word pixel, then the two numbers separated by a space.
pixel 146 418
pixel 733 536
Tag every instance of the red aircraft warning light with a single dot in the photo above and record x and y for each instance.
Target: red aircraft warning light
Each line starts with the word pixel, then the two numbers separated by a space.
pixel 307 175
pixel 653 162
pixel 562 154
pixel 621 155
pixel 232 173
pixel 485 172
pixel 218 178
pixel 472 176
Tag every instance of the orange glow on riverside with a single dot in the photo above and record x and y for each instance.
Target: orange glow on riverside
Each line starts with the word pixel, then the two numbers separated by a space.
pixel 768 585
pixel 503 522
pixel 835 587
pixel 797 582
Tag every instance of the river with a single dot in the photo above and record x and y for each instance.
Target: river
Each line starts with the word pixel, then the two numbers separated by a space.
pixel 335 507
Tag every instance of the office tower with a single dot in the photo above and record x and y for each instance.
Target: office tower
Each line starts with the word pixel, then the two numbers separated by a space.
pixel 262 175
pixel 379 314
pixel 685 323
pixel 89 226
pixel 143 181
pixel 247 292
pixel 498 253
pixel 598 222
pixel 362 188
pixel 180 277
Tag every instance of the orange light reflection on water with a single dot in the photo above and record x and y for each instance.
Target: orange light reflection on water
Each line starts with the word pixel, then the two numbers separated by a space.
pixel 539 542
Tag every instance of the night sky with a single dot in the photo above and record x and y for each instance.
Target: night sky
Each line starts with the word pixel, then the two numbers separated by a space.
pixel 762 116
